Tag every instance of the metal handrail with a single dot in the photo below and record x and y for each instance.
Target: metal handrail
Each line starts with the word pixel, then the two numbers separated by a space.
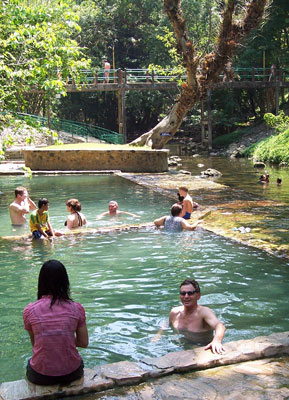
pixel 130 75
pixel 77 128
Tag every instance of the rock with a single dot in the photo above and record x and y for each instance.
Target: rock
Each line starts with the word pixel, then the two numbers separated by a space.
pixel 183 171
pixel 200 165
pixel 175 158
pixel 211 172
pixel 283 164
pixel 237 153
pixel 172 163
pixel 259 164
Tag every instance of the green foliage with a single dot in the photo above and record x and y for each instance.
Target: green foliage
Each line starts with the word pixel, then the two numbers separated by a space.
pixel 279 122
pixel 36 49
pixel 226 140
pixel 274 149
pixel 27 172
pixel 26 131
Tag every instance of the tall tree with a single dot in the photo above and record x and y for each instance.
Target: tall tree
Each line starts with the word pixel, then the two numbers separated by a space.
pixel 202 72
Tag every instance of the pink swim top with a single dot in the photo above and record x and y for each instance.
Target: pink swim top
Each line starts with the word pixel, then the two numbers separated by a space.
pixel 54 350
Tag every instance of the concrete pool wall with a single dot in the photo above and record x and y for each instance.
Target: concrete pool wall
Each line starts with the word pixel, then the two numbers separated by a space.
pixel 91 160
pixel 126 373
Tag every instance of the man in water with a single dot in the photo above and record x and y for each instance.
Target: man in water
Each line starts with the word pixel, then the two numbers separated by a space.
pixel 186 201
pixel 20 206
pixel 175 223
pixel 195 319
pixel 113 211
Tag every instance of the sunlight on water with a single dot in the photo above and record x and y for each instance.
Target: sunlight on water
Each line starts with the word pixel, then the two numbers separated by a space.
pixel 129 281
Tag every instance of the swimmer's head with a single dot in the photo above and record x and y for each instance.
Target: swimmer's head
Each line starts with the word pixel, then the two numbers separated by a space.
pixel 21 191
pixel 43 202
pixel 183 191
pixel 74 204
pixel 112 206
pixel 176 210
pixel 191 282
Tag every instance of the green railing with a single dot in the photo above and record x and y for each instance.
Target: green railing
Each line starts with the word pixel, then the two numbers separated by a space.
pixel 77 128
pixel 135 75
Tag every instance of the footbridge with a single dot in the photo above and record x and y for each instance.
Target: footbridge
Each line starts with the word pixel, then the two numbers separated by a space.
pixel 123 80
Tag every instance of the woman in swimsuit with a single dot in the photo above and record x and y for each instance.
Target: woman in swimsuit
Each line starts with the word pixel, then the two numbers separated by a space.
pixel 76 218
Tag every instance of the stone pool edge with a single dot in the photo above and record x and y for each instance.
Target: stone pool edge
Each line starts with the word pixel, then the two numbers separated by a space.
pixel 127 373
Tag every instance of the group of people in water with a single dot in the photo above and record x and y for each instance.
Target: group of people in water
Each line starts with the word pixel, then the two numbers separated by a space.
pixel 264 178
pixel 41 227
pixel 39 221
pixel 57 325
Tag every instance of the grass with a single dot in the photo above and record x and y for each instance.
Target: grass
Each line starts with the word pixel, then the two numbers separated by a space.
pixel 274 149
pixel 229 138
pixel 95 146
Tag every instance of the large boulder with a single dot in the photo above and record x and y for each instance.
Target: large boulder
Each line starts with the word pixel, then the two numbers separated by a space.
pixel 211 172
pixel 259 164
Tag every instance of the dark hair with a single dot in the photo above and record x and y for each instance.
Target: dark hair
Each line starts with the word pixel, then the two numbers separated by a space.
pixel 176 210
pixel 42 202
pixel 191 282
pixel 74 204
pixel 53 280
pixel 19 190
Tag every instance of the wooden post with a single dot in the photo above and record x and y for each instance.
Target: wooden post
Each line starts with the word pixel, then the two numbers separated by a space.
pixel 95 78
pixel 202 122
pixel 121 113
pixel 277 91
pixel 209 111
pixel 119 76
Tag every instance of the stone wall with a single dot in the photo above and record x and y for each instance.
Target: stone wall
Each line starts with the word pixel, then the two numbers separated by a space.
pixel 92 160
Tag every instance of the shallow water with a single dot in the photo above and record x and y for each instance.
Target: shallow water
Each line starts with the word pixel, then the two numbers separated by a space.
pixel 129 281
pixel 241 174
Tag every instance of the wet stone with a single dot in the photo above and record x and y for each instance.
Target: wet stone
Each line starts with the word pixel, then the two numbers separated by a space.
pixel 123 372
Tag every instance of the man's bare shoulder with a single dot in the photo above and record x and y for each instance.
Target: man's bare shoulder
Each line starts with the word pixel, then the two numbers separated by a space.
pixel 14 206
pixel 205 310
pixel 176 310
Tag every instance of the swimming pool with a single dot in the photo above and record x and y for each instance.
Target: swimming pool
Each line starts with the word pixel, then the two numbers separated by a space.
pixel 128 281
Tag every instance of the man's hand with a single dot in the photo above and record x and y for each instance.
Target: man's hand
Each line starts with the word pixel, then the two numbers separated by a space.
pixel 216 347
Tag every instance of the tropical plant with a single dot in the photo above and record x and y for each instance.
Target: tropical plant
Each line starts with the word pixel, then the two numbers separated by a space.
pixel 36 50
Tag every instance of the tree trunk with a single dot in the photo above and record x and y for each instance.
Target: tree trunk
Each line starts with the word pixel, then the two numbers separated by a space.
pixel 197 83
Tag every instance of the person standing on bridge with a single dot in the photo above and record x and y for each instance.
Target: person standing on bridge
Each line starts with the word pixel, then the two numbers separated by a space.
pixel 106 70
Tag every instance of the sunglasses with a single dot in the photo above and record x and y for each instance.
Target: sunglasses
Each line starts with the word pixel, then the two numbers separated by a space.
pixel 189 293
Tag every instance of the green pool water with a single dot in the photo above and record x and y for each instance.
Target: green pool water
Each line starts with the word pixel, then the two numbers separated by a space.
pixel 128 281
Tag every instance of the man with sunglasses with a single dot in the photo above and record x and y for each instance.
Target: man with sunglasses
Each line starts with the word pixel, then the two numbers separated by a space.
pixel 198 320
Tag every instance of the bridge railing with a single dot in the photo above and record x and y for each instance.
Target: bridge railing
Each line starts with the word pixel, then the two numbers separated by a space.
pixel 77 128
pixel 142 75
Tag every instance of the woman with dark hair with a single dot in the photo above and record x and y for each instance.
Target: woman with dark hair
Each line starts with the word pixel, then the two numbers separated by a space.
pixel 56 325
pixel 76 218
